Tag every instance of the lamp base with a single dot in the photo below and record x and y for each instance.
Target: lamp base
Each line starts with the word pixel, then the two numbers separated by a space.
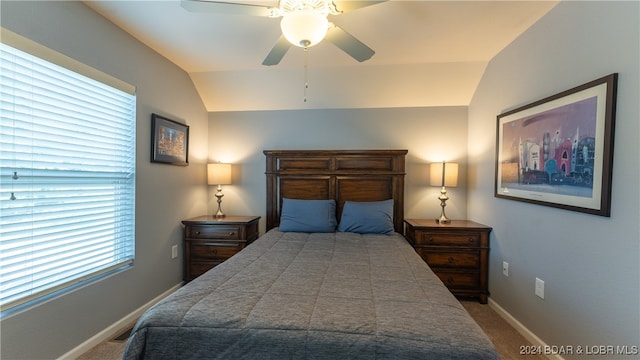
pixel 443 220
pixel 443 202
pixel 219 195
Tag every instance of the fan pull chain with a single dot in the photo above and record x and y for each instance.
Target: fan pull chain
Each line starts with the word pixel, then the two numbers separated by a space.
pixel 306 70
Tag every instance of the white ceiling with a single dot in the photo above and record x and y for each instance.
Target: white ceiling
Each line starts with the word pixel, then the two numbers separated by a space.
pixel 428 53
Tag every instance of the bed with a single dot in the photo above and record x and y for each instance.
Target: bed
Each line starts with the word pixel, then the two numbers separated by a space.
pixel 306 291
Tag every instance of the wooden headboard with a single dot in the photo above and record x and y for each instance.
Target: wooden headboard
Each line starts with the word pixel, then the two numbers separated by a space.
pixel 355 175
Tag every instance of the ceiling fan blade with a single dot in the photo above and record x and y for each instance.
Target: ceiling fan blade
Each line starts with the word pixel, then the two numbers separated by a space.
pixel 228 8
pixel 345 5
pixel 349 44
pixel 277 52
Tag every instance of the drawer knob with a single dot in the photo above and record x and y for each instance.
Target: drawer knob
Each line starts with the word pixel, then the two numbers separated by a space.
pixel 214 251
pixel 232 233
pixel 197 232
pixel 450 280
pixel 451 260
pixel 470 240
pixel 431 238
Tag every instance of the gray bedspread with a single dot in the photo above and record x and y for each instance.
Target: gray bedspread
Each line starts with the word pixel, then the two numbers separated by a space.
pixel 313 296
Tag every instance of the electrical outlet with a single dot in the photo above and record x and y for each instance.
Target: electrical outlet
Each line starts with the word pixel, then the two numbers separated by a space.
pixel 505 268
pixel 174 251
pixel 540 288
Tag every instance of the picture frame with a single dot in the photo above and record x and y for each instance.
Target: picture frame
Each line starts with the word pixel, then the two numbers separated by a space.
pixel 169 141
pixel 558 151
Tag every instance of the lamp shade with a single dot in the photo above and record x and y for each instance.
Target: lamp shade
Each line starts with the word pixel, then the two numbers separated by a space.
pixel 304 28
pixel 443 174
pixel 219 174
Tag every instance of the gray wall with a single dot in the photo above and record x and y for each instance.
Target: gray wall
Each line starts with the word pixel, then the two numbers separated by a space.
pixel 429 134
pixel 590 264
pixel 165 194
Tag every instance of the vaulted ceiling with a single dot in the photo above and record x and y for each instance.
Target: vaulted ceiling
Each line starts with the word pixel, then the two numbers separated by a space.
pixel 427 53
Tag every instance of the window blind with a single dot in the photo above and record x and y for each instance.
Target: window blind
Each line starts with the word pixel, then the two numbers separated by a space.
pixel 67 178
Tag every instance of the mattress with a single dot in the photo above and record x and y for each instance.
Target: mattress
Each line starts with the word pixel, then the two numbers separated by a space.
pixel 313 296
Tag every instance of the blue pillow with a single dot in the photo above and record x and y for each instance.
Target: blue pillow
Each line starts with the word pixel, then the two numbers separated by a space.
pixel 308 216
pixel 374 217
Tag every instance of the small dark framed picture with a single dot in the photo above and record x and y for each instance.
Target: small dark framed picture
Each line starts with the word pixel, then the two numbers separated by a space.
pixel 558 151
pixel 169 141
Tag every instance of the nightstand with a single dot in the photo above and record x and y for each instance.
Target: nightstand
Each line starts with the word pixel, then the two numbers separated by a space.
pixel 209 241
pixel 457 252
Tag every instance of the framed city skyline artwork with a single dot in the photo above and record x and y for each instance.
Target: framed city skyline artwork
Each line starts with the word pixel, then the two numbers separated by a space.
pixel 558 151
pixel 169 141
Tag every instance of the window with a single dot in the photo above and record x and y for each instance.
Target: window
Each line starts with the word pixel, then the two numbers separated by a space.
pixel 67 174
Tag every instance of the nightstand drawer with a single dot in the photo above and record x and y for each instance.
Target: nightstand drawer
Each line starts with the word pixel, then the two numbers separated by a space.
pixel 213 251
pixel 459 280
pixel 469 259
pixel 197 269
pixel 447 239
pixel 213 232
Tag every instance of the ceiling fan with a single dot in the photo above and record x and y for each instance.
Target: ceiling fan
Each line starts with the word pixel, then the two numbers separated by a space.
pixel 304 23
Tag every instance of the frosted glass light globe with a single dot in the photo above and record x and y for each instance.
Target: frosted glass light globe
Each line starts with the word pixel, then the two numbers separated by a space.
pixel 304 28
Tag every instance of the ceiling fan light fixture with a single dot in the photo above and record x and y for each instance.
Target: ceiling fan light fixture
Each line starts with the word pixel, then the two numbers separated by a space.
pixel 304 28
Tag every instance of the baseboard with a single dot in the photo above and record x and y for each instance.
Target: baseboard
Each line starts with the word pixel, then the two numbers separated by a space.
pixel 526 333
pixel 115 328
